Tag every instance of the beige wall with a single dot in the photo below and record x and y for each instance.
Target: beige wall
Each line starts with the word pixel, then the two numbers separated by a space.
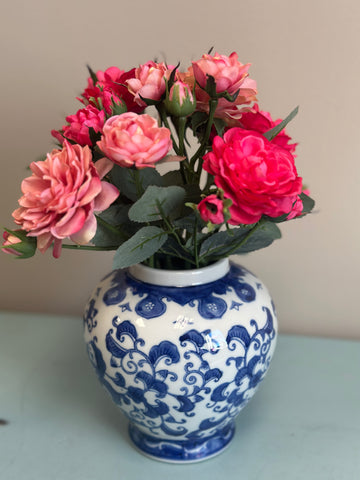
pixel 303 52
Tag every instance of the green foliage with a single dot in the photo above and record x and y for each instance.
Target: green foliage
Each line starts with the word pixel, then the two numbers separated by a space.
pixel 139 247
pixel 270 134
pixel 158 203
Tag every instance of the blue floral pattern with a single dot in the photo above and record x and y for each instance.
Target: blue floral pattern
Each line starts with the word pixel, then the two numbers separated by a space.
pixel 162 386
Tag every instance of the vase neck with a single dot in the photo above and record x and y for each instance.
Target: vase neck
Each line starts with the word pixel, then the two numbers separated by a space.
pixel 180 278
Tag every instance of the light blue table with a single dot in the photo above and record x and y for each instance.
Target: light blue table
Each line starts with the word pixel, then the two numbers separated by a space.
pixel 303 424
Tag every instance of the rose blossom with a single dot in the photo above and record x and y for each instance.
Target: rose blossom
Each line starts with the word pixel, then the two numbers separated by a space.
pixel 130 139
pixel 60 197
pixel 149 82
pixel 79 124
pixel 225 109
pixel 211 209
pixel 10 240
pixel 111 87
pixel 258 176
pixel 229 74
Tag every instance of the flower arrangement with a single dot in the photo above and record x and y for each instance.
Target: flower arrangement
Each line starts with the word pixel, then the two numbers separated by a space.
pixel 103 187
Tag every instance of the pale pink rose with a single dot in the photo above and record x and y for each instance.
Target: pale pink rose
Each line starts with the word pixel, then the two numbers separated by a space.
pixel 211 209
pixel 229 111
pixel 60 197
pixel 149 82
pixel 130 139
pixel 78 126
pixel 10 240
pixel 180 101
pixel 229 74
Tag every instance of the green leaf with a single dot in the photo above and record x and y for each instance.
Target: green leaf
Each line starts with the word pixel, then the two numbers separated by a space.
pixel 220 242
pixel 198 119
pixel 270 134
pixel 107 235
pixel 172 178
pixel 240 240
pixel 157 203
pixel 94 136
pixel 219 126
pixel 146 241
pixel 132 183
pixel 308 203
pixel 92 74
pixel 115 214
pixel 260 237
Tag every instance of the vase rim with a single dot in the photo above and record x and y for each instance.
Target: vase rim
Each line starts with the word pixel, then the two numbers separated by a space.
pixel 181 278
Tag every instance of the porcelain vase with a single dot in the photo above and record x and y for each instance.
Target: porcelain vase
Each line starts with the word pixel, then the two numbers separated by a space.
pixel 181 353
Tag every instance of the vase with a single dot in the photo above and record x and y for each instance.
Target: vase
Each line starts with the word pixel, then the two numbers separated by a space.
pixel 181 353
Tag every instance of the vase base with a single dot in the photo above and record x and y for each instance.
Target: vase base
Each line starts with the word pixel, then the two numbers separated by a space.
pixel 188 451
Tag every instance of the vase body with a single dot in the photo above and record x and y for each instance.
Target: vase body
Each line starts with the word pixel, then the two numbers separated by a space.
pixel 181 356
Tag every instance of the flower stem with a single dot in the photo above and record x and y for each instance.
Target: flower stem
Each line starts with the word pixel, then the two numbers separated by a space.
pixel 202 149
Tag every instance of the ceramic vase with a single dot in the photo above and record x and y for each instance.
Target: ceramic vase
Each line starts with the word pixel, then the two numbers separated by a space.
pixel 181 353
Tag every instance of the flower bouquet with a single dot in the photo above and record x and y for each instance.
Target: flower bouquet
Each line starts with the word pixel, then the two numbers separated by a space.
pixel 104 187
pixel 182 338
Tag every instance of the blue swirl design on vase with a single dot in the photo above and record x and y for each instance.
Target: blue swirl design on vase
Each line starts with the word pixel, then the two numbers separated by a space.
pixel 162 387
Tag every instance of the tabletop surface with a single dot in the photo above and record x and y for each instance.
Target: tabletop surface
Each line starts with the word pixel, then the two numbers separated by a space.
pixel 58 423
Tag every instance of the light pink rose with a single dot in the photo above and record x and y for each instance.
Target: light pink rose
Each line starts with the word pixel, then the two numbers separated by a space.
pixel 229 111
pixel 149 82
pixel 10 240
pixel 258 176
pixel 130 139
pixel 78 126
pixel 211 209
pixel 180 101
pixel 229 74
pixel 60 197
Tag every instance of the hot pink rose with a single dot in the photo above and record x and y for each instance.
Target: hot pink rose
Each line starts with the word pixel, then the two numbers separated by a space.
pixel 149 82
pixel 258 176
pixel 261 122
pixel 60 197
pixel 130 139
pixel 211 209
pixel 111 87
pixel 78 128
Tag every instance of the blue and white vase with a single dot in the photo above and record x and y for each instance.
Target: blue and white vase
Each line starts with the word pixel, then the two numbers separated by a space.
pixel 181 353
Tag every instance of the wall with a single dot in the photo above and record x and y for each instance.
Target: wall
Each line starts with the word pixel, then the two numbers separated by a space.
pixel 302 53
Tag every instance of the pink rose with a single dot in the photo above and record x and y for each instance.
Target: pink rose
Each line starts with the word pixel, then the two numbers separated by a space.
pixel 180 101
pixel 225 109
pixel 111 87
pixel 149 82
pixel 10 240
pixel 79 124
pixel 211 209
pixel 258 176
pixel 60 197
pixel 130 139
pixel 261 122
pixel 229 74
